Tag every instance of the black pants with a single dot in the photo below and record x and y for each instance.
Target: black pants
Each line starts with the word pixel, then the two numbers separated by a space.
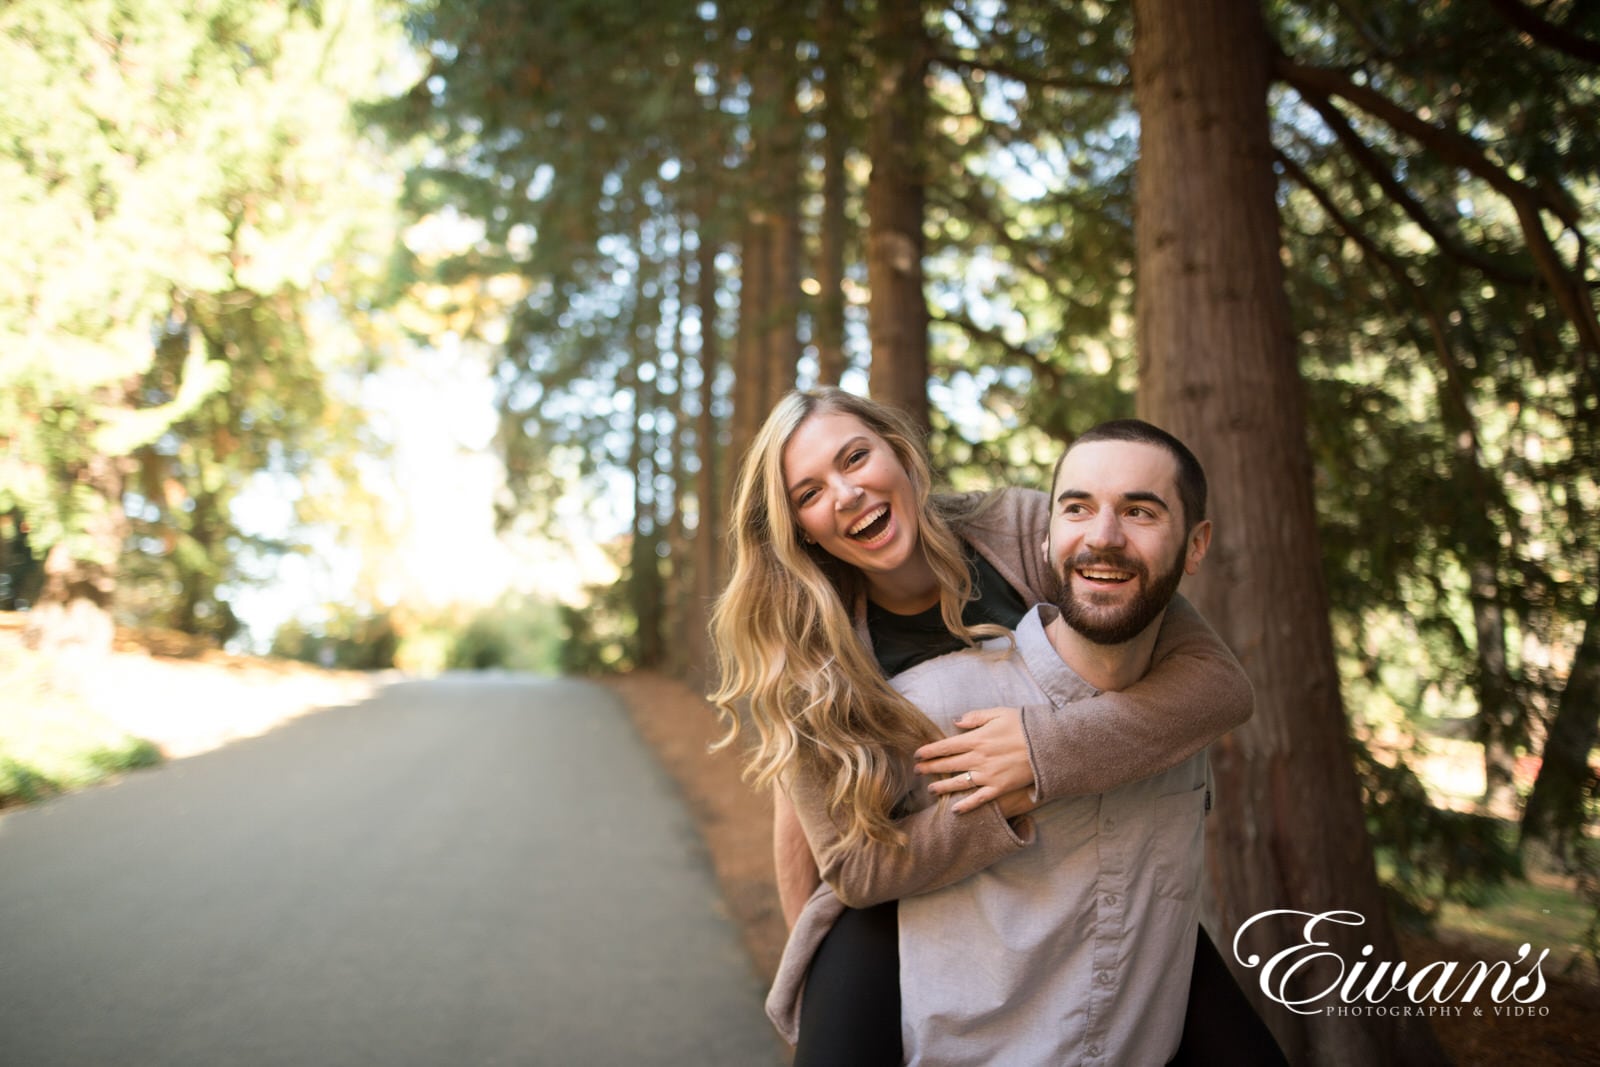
pixel 850 1015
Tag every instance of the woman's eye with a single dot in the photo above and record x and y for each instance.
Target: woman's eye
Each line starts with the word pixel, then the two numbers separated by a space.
pixel 805 498
pixel 856 457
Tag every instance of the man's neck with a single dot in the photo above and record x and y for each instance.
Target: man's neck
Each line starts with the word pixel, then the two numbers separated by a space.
pixel 1106 667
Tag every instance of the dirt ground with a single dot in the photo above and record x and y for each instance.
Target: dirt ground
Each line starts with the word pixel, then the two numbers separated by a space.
pixel 735 823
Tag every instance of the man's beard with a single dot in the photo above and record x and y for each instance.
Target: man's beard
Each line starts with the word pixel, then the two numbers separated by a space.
pixel 1130 620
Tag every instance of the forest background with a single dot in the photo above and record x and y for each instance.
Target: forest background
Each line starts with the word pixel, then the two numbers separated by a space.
pixel 1343 249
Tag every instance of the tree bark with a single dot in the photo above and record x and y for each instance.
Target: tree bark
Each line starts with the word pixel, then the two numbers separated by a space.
pixel 1554 813
pixel 1218 368
pixel 782 342
pixel 644 563
pixel 830 256
pixel 749 359
pixel 896 196
pixel 708 517
pixel 1499 717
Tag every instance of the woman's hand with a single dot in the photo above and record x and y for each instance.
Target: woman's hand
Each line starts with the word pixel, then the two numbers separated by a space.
pixel 988 759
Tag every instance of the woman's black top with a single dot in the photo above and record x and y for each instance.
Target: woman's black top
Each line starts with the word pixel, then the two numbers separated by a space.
pixel 902 641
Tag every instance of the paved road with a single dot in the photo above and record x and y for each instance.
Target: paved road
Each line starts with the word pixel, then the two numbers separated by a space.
pixel 465 871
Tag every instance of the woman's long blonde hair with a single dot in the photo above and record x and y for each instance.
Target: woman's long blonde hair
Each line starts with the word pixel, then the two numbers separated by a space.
pixel 785 644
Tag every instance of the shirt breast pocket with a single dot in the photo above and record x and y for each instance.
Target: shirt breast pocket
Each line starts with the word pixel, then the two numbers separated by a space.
pixel 1177 843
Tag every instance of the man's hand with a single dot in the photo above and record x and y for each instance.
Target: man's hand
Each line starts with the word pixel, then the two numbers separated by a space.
pixel 989 758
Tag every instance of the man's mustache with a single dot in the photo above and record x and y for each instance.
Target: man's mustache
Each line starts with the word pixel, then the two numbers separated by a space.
pixel 1107 560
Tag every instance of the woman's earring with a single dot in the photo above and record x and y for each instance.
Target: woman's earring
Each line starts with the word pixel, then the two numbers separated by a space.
pixel 808 539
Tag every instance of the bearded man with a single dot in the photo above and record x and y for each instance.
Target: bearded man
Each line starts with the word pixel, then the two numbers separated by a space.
pixel 1077 950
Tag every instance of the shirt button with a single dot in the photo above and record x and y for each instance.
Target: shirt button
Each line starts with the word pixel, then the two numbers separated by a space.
pixel 1110 825
pixel 1111 899
pixel 1093 1050
pixel 1104 978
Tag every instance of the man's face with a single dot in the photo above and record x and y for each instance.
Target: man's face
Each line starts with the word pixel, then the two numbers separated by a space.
pixel 1118 540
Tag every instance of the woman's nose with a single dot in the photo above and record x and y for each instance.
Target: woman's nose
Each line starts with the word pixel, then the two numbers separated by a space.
pixel 847 496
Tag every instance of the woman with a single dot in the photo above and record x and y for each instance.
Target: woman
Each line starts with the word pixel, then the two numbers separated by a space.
pixel 847 569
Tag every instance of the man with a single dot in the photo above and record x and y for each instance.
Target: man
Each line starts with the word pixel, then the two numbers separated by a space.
pixel 1076 950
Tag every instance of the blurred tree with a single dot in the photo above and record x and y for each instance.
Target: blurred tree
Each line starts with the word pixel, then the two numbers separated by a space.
pixel 896 202
pixel 195 194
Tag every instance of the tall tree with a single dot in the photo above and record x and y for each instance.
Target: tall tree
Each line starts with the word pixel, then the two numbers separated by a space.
pixel 833 43
pixel 896 199
pixel 1218 367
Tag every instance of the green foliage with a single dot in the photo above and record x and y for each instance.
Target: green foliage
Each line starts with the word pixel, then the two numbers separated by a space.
pixel 518 634
pixel 598 635
pixel 196 226
pixel 348 639
pixel 1430 855
pixel 40 759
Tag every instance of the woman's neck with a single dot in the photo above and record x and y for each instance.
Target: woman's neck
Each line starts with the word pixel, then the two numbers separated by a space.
pixel 908 589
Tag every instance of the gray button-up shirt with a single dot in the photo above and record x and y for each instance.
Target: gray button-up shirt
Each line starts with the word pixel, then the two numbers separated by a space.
pixel 1079 949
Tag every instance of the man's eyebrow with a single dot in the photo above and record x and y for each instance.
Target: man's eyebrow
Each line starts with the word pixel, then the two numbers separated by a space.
pixel 1137 496
pixel 1145 496
pixel 847 446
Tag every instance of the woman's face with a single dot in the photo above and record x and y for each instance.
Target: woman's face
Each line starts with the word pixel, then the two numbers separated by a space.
pixel 849 492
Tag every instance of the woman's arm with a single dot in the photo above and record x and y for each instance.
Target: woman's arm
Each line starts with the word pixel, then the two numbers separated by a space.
pixel 792 861
pixel 941 847
pixel 1194 693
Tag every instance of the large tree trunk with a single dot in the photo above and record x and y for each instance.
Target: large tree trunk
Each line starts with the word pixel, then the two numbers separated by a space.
pixel 708 518
pixel 679 596
pixel 783 167
pixel 644 562
pixel 830 303
pixel 1218 368
pixel 1555 806
pixel 1499 715
pixel 749 355
pixel 896 192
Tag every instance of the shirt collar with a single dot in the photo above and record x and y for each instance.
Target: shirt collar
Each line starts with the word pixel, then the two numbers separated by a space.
pixel 1060 683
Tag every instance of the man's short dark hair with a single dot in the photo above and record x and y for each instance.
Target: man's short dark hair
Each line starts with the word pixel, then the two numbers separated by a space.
pixel 1191 476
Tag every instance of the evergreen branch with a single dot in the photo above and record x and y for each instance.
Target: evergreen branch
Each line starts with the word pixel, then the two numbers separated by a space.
pixel 1456 150
pixel 1488 491
pixel 1047 372
pixel 968 66
pixel 1547 33
pixel 1448 243
pixel 1029 257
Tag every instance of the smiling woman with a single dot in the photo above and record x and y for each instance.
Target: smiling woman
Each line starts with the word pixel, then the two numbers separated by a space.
pixel 855 501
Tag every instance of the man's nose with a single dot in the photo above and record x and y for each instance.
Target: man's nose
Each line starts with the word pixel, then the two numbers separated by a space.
pixel 1106 529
